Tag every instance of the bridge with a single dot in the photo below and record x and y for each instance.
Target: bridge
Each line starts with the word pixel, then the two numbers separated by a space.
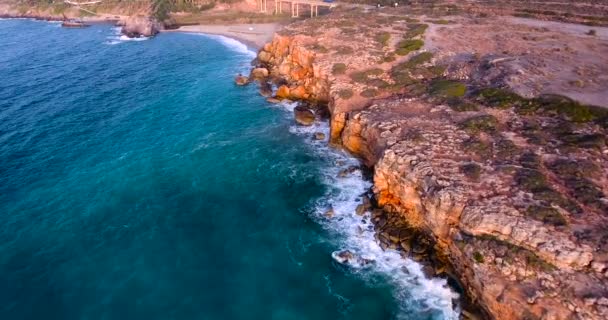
pixel 295 6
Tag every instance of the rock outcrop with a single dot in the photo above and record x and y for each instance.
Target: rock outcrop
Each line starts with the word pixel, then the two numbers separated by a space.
pixel 514 201
pixel 140 26
pixel 304 116
pixel 513 264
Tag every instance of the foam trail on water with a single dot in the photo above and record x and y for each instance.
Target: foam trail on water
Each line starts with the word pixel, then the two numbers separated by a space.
pixel 415 292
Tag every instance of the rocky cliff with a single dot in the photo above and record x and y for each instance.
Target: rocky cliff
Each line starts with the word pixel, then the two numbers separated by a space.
pixel 510 191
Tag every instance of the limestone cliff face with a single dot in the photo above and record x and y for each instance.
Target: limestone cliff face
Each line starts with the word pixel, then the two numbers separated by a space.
pixel 301 76
pixel 441 179
pixel 290 62
pixel 514 266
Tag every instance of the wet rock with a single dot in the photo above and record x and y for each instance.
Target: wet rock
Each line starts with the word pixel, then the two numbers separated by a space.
pixel 330 213
pixel 351 259
pixel 241 80
pixel 304 116
pixel 265 89
pixel 360 210
pixel 319 136
pixel 428 271
pixel 140 26
pixel 345 172
pixel 273 100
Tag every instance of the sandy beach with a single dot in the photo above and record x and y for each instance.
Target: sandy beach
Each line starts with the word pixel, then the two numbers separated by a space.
pixel 254 35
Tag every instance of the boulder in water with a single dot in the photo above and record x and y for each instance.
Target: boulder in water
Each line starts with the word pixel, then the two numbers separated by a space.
pixel 349 258
pixel 265 89
pixel 304 116
pixel 241 80
pixel 319 136
pixel 140 26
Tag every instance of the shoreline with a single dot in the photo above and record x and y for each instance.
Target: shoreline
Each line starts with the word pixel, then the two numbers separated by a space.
pixel 253 35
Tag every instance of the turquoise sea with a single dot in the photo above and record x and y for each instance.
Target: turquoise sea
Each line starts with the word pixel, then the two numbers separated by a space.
pixel 138 182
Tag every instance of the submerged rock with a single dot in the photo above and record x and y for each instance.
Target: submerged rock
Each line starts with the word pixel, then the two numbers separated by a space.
pixel 304 116
pixel 319 136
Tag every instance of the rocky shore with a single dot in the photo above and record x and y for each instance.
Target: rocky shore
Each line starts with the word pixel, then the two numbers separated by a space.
pixel 506 191
pixel 133 23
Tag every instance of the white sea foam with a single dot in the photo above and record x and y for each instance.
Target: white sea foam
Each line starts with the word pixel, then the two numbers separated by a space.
pixel 232 44
pixel 355 233
pixel 117 37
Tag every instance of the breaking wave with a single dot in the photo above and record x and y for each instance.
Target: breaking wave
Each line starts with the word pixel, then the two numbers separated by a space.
pixel 413 290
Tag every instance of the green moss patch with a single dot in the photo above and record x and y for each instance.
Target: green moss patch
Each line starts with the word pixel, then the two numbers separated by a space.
pixel 506 150
pixel 498 98
pixel 585 191
pixel 535 182
pixel 419 59
pixel 483 123
pixel 382 38
pixel 546 215
pixel 406 46
pixel 447 88
pixel 369 77
pixel 588 141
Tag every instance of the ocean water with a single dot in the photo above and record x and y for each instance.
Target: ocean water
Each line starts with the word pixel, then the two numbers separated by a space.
pixel 138 182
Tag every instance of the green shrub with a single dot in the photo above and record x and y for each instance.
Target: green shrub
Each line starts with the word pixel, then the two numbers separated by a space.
pixel 338 68
pixel 415 29
pixel 483 123
pixel 369 93
pixel 419 59
pixel 499 98
pixel 389 57
pixel 471 170
pixel 461 105
pixel 478 257
pixel 546 214
pixel 366 76
pixel 478 147
pixel 383 38
pixel 345 94
pixel 406 46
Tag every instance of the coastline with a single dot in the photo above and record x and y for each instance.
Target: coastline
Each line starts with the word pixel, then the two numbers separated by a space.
pixel 252 35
